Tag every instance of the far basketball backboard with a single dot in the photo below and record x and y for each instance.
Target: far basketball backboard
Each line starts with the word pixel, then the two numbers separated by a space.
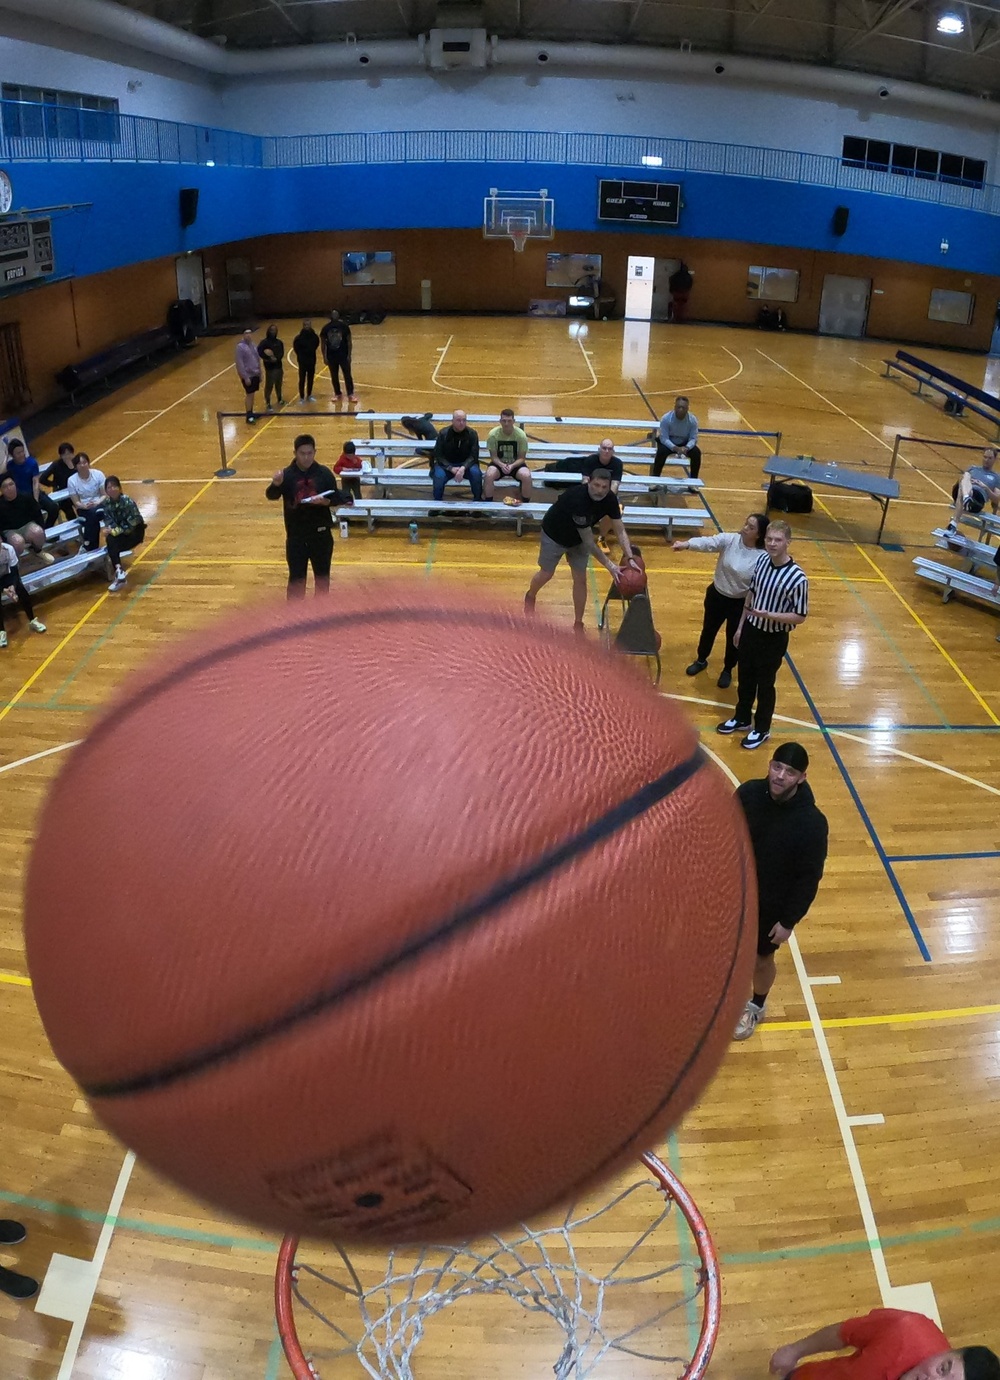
pixel 519 216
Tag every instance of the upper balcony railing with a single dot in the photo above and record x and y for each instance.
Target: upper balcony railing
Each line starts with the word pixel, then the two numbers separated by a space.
pixel 31 133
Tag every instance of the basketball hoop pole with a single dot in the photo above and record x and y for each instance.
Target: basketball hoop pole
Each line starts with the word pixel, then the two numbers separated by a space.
pixel 227 471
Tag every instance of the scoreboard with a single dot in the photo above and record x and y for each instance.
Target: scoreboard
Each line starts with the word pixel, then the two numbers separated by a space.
pixel 640 203
pixel 25 251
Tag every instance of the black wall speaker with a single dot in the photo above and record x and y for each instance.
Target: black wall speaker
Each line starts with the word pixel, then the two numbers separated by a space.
pixel 188 206
pixel 840 218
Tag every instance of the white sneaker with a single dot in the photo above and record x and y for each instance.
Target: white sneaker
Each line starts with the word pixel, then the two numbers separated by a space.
pixel 310 398
pixel 36 625
pixel 748 1022
pixel 118 582
pixel 3 638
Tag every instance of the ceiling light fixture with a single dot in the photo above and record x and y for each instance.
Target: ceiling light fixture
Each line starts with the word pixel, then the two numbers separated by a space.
pixel 951 23
pixel 651 160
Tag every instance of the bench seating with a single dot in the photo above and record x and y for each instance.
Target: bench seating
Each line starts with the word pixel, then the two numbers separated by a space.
pixel 420 478
pixel 369 510
pixel 960 581
pixel 538 450
pixel 929 375
pixel 100 367
pixel 975 553
pixel 65 568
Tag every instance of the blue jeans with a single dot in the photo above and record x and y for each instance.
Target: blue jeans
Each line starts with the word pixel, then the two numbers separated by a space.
pixel 440 477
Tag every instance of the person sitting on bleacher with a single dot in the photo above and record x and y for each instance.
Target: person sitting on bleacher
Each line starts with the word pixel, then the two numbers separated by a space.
pixel 979 485
pixel 10 579
pixel 21 521
pixel 86 489
pixel 604 458
pixel 24 470
pixel 56 477
pixel 456 457
pixel 126 529
pixel 508 446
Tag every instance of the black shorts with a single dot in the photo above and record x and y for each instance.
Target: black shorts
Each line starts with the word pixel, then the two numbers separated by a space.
pixel 252 384
pixel 765 946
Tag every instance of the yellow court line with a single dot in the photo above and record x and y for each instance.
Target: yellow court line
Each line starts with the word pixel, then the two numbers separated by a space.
pixel 15 979
pixel 953 1013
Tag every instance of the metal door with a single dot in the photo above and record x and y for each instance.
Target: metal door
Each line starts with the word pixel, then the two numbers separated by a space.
pixel 843 308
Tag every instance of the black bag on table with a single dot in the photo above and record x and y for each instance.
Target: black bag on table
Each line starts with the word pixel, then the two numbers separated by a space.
pixel 789 496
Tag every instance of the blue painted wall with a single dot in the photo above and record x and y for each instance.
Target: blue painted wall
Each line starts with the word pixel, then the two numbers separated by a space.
pixel 134 213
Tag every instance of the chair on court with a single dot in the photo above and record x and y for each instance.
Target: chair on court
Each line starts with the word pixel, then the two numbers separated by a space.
pixel 637 635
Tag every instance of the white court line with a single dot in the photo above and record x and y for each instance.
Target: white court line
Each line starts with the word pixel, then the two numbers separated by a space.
pixel 162 412
pixel 861 426
pixel 442 350
pixel 918 1297
pixel 74 1287
pixel 37 756
pixel 873 1119
pixel 586 360
pixel 824 982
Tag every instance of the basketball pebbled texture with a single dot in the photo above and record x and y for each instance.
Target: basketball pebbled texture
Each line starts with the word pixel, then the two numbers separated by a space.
pixel 336 976
pixel 630 581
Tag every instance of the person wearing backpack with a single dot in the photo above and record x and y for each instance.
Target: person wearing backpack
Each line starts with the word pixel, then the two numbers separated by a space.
pixel 336 340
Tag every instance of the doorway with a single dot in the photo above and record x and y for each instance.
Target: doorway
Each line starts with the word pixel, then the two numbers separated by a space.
pixel 639 288
pixel 843 308
pixel 662 273
pixel 239 289
pixel 191 283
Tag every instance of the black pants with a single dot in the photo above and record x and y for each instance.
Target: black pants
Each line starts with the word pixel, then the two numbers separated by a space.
pixel 335 363
pixel 307 373
pixel 662 452
pixel 91 519
pixel 126 541
pixel 313 547
pixel 65 507
pixel 760 656
pixel 12 580
pixel 50 510
pixel 720 609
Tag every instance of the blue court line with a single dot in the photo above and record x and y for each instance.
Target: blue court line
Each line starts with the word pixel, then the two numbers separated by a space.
pixel 883 857
pixel 896 649
pixel 941 857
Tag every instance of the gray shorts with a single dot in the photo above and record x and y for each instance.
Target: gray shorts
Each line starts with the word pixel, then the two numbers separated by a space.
pixel 550 553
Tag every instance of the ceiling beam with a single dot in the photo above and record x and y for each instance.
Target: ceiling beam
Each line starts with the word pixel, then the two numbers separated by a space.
pixel 637 8
pixel 890 11
pixel 277 5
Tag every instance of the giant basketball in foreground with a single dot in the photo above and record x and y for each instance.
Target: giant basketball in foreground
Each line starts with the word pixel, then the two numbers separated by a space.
pixel 412 917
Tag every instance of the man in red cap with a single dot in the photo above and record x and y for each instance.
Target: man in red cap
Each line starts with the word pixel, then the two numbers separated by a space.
pixel 888 1345
pixel 789 839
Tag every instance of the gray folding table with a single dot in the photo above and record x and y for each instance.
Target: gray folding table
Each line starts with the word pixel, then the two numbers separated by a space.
pixel 881 487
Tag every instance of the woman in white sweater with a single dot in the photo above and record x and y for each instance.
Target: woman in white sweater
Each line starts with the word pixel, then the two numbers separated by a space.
pixel 726 595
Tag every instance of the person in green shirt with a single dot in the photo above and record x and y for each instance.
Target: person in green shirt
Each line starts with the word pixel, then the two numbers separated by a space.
pixel 507 445
pixel 126 528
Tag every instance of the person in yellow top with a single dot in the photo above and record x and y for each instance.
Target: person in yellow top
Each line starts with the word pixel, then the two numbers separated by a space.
pixel 508 446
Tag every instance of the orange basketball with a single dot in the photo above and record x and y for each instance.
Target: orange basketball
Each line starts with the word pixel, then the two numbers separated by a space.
pixel 422 917
pixel 630 581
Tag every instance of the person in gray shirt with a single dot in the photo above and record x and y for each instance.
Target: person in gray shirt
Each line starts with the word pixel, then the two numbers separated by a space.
pixel 978 486
pixel 678 435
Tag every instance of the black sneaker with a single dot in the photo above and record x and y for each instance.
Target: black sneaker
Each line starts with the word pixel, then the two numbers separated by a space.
pixel 725 680
pixel 17 1286
pixel 754 739
pixel 11 1233
pixel 695 667
pixel 731 726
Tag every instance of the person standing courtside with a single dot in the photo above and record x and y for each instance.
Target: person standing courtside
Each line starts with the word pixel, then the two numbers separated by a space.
pixel 306 345
pixel 789 838
pixel 776 602
pixel 888 1344
pixel 337 350
pixel 272 352
pixel 309 491
pixel 248 368
pixel 678 435
pixel 725 597
pixel 456 457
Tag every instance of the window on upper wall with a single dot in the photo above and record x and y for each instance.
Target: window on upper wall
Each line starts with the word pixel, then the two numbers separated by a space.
pixel 773 284
pixel 956 307
pixel 34 112
pixel 908 160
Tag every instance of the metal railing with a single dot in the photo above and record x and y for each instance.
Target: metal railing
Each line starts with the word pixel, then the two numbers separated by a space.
pixel 139 139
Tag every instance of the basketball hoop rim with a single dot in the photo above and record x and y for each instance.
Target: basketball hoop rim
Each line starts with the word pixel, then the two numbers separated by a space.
pixel 671 1186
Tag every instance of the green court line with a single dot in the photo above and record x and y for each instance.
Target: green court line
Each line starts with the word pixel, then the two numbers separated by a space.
pixel 56 708
pixel 897 651
pixel 688 1256
pixel 274 1357
pixel 430 554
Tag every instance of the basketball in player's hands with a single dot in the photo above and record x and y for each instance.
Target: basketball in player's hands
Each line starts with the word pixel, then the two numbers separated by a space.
pixel 631 579
pixel 392 978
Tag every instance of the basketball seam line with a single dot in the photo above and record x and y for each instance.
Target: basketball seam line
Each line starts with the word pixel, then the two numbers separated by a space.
pixel 467 915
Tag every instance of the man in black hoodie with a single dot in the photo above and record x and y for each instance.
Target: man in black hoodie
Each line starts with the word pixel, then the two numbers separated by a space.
pixel 789 839
pixel 309 492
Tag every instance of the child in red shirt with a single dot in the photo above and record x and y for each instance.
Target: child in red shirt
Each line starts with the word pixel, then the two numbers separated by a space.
pixel 349 461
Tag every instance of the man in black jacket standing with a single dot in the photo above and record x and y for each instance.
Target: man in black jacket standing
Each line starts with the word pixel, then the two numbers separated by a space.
pixel 337 350
pixel 309 492
pixel 789 839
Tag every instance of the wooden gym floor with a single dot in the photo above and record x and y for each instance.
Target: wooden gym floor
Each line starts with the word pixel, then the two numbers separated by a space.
pixel 847 1154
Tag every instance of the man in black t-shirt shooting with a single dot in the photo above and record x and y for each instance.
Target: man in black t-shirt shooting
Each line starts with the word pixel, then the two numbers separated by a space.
pixel 567 530
pixel 309 492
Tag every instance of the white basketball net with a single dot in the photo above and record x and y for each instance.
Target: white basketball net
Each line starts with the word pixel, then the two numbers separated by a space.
pixel 544 1271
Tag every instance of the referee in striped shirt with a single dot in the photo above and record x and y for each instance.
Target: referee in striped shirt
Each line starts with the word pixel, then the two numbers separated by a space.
pixel 777 601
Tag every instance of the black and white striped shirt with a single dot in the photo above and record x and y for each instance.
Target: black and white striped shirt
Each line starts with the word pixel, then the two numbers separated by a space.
pixel 777 589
